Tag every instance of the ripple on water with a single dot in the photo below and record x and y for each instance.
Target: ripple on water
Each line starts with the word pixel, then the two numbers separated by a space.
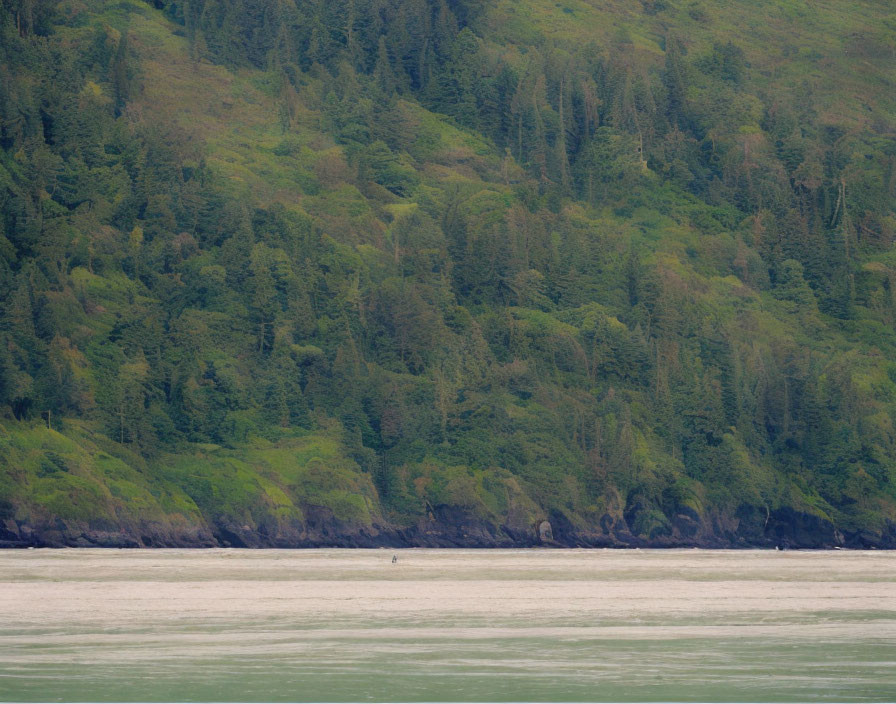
pixel 337 625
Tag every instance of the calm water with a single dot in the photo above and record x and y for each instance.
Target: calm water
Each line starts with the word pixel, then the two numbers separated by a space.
pixel 538 625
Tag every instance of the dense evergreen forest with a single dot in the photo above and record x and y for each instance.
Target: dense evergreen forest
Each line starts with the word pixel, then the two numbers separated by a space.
pixel 432 272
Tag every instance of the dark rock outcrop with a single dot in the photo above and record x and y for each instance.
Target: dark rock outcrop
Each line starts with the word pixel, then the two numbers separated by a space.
pixel 92 534
pixel 453 526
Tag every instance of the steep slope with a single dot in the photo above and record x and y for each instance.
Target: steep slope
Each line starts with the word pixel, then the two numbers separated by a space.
pixel 433 273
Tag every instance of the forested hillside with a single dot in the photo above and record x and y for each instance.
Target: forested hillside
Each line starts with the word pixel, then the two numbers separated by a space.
pixel 432 272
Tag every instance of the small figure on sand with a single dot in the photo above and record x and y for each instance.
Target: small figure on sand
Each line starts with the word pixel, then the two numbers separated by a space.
pixel 394 559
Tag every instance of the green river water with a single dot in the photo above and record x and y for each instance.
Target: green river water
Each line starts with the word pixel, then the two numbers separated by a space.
pixel 447 625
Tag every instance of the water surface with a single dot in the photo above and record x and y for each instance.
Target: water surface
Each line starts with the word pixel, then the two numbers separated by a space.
pixel 462 625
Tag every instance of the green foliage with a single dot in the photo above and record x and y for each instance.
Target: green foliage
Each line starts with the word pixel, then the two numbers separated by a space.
pixel 264 259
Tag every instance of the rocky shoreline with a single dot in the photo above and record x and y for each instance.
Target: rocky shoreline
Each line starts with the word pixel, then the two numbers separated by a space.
pixel 451 527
